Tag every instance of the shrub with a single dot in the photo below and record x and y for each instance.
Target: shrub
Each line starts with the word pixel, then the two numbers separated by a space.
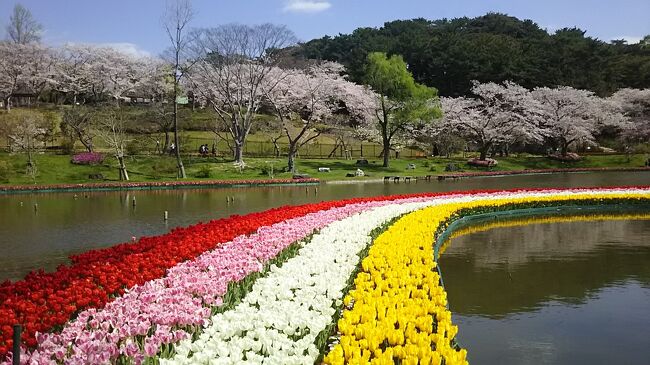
pixel 5 170
pixel 163 167
pixel 267 171
pixel 87 158
pixel 135 147
pixel 204 172
pixel 67 146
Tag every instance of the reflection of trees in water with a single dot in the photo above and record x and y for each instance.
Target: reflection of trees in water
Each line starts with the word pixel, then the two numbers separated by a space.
pixel 516 269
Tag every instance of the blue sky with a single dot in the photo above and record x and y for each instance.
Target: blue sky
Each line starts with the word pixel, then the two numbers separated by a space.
pixel 135 24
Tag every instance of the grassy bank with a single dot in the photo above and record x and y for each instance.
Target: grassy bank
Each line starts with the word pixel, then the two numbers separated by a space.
pixel 57 169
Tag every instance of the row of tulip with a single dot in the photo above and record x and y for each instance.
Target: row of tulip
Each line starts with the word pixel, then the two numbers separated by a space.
pixel 145 322
pixel 190 292
pixel 45 301
pixel 279 321
pixel 398 310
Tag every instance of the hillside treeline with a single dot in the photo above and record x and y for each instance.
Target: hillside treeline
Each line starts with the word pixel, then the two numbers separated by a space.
pixel 450 53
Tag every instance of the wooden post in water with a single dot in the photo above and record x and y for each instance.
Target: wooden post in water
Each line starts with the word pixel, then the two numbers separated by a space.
pixel 16 347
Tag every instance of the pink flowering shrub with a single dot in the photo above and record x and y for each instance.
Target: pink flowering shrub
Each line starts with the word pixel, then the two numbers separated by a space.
pixel 87 158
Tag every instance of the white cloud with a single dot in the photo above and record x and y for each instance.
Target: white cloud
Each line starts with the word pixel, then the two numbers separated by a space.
pixel 306 6
pixel 630 39
pixel 131 49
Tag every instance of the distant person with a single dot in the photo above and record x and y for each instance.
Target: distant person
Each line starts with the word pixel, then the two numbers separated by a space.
pixel 172 148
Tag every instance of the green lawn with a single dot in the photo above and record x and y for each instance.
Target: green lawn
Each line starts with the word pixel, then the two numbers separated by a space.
pixel 52 169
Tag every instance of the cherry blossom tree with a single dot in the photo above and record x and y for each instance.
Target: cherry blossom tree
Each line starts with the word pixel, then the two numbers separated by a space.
pixel 23 67
pixel 235 74
pixel 73 74
pixel 498 114
pixel 306 99
pixel 568 115
pixel 24 128
pixel 635 106
pixel 123 73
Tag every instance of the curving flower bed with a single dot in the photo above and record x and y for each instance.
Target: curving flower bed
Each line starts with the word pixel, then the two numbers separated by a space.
pixel 289 285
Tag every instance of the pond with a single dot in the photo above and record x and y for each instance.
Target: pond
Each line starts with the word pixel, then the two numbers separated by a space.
pixel 66 223
pixel 574 292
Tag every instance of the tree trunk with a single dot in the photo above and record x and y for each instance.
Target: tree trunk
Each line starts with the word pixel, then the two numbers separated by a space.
pixel 166 145
pixel 336 147
pixel 276 148
pixel 484 151
pixel 30 161
pixel 291 154
pixel 238 153
pixel 177 148
pixel 124 175
pixel 564 148
pixel 87 143
pixel 385 138
pixel 386 153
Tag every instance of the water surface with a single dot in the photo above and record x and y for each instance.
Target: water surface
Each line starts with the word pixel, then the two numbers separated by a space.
pixel 553 293
pixel 67 223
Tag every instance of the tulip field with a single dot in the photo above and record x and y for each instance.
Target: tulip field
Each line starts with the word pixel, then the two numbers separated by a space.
pixel 341 282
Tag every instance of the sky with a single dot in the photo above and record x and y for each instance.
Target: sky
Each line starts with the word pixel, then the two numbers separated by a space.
pixel 134 25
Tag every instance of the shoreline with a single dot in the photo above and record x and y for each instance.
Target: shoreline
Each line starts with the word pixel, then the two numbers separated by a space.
pixel 152 185
pixel 503 173
pixel 208 184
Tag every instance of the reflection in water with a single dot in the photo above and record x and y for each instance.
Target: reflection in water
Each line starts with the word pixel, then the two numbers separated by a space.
pixel 552 293
pixel 64 225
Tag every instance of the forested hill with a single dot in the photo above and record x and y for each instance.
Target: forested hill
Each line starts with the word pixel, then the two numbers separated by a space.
pixel 448 54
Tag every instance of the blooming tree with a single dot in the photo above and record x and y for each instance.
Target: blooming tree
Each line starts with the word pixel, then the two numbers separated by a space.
pixel 498 114
pixel 23 67
pixel 73 68
pixel 123 73
pixel 305 99
pixel 567 115
pixel 235 74
pixel 635 105
pixel 23 129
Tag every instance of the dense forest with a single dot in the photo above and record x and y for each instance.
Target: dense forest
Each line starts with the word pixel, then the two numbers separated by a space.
pixel 450 53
